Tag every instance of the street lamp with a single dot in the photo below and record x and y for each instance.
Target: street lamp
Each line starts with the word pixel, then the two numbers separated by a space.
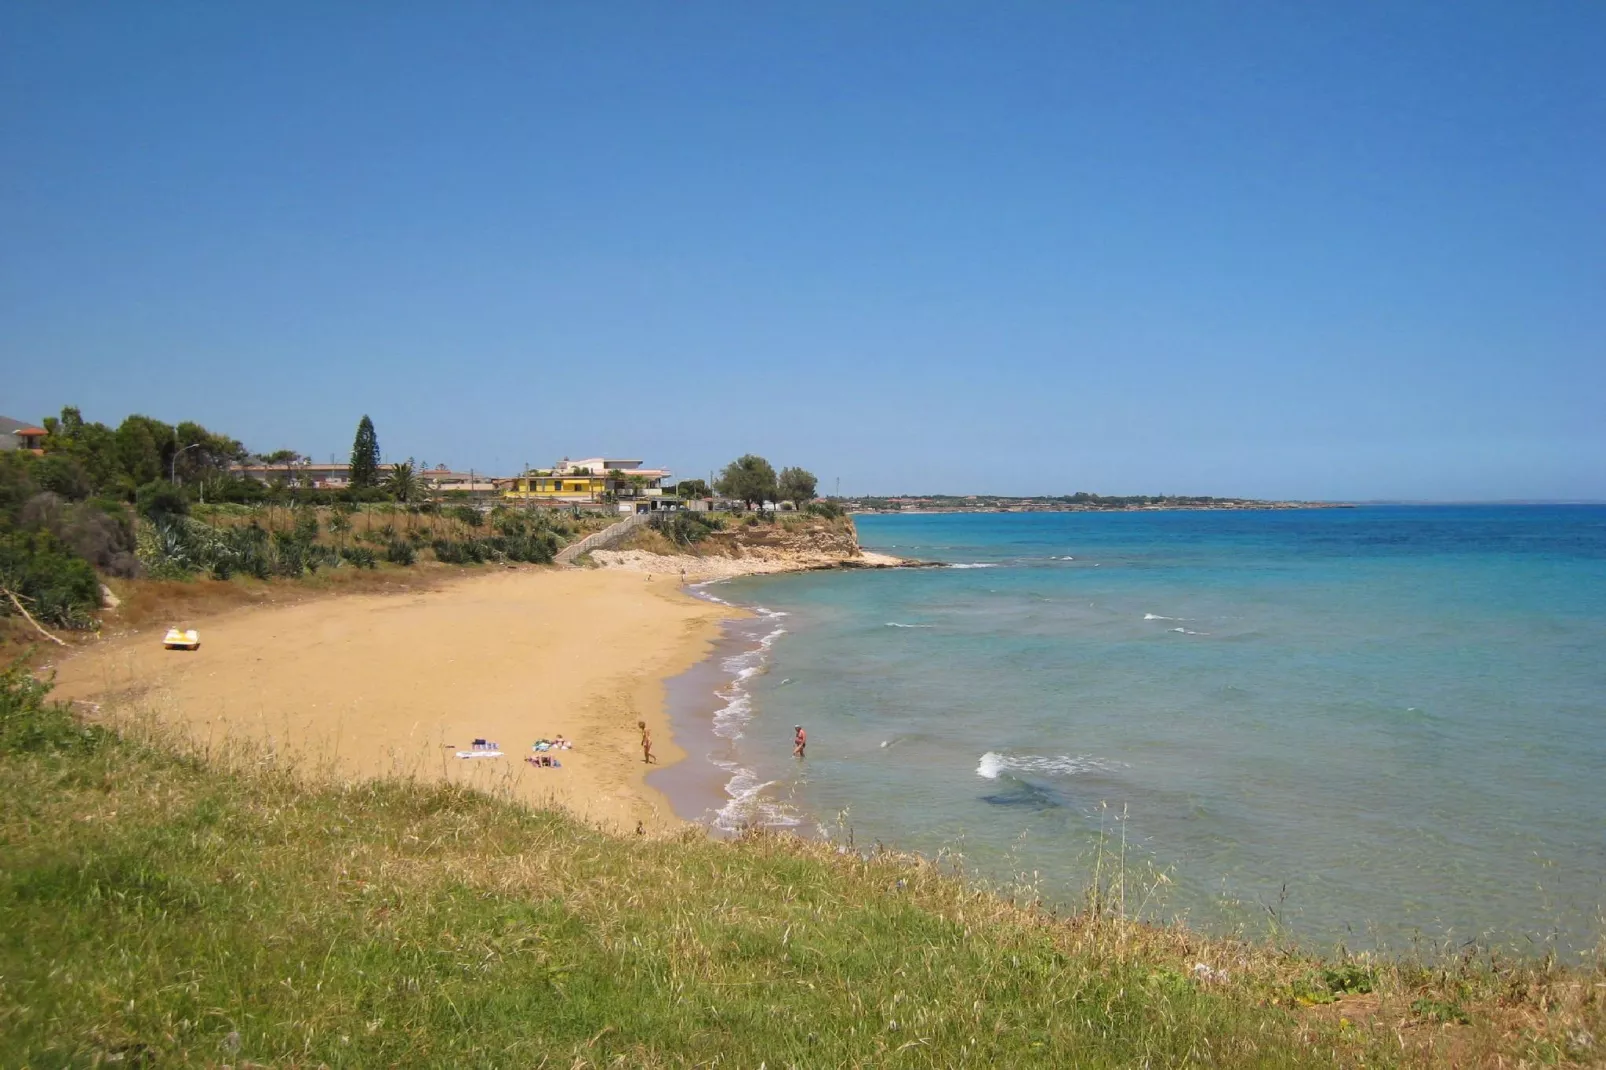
pixel 172 466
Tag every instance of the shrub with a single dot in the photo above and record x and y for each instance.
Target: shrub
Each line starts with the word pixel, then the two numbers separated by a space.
pixel 61 587
pixel 62 475
pixel 400 552
pixel 99 531
pixel 290 554
pixel 359 556
pixel 28 723
pixel 159 498
pixel 536 549
pixel 688 528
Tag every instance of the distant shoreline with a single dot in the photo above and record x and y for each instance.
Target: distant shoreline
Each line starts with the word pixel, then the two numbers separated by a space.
pixel 1170 507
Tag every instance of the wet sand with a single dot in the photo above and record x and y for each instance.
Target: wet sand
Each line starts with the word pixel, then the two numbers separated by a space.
pixel 371 685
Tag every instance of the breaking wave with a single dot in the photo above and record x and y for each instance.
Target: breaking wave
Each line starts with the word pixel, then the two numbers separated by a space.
pixel 993 764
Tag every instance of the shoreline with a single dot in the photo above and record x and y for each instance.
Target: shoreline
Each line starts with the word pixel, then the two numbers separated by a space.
pixel 373 685
pixel 709 706
pixel 700 570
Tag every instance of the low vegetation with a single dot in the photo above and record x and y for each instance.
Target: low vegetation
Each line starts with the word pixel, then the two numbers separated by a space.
pixel 159 907
pixel 146 504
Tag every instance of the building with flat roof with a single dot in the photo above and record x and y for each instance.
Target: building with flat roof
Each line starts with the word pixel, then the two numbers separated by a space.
pixel 589 481
pixel 337 475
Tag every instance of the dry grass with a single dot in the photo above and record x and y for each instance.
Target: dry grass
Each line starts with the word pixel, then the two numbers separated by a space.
pixel 146 604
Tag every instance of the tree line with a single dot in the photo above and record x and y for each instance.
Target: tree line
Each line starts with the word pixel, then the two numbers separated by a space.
pixel 752 480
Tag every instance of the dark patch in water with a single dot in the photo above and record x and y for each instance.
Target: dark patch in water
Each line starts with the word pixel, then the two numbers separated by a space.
pixel 1025 794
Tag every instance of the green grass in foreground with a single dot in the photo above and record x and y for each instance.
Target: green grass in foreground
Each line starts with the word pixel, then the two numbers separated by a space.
pixel 157 910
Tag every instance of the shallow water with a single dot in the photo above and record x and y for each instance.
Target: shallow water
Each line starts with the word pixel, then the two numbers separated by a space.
pixel 1377 724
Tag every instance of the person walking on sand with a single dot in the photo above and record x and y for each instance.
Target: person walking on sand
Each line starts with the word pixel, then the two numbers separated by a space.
pixel 800 740
pixel 646 742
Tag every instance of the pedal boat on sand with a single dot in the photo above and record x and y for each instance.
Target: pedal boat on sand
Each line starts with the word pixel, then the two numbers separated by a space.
pixel 181 639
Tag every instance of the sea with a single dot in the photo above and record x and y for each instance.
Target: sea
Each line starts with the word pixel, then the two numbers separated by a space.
pixel 1380 728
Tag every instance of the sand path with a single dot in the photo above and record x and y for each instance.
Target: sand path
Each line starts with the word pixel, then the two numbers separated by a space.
pixel 366 685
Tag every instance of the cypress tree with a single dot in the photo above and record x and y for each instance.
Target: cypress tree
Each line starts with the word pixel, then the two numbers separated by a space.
pixel 365 456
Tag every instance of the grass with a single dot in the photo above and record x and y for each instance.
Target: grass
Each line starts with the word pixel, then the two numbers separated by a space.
pixel 157 908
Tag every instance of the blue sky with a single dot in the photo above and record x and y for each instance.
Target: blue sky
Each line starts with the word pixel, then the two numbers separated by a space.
pixel 1325 250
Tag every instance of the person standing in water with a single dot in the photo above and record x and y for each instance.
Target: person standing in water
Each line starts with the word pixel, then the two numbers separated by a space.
pixel 800 740
pixel 646 742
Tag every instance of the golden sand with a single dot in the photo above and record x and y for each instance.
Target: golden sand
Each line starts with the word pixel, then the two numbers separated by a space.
pixel 367 685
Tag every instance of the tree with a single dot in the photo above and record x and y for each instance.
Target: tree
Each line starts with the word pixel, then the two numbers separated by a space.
pixel 749 478
pixel 202 455
pixel 288 458
pixel 143 448
pixel 365 456
pixel 92 445
pixel 797 485
pixel 402 483
pixel 692 488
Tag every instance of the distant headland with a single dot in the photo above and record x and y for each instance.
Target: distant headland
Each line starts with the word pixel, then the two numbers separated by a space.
pixel 1080 502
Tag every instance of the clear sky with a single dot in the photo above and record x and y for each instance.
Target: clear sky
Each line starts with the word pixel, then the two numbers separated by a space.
pixel 1326 250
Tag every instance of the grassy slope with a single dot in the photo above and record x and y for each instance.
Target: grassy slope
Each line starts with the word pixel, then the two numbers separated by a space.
pixel 154 906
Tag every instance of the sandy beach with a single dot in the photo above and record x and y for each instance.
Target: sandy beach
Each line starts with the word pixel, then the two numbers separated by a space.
pixel 367 685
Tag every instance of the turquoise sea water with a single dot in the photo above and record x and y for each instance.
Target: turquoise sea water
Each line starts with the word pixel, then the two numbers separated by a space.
pixel 1380 723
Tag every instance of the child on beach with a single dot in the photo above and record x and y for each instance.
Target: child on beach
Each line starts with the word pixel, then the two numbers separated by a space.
pixel 646 742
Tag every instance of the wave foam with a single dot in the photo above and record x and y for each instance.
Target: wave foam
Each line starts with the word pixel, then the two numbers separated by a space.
pixel 747 805
pixel 895 624
pixel 993 765
pixel 975 564
pixel 1189 631
pixel 1156 616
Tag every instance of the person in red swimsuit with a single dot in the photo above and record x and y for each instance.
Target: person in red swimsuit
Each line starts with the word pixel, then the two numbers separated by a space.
pixel 800 739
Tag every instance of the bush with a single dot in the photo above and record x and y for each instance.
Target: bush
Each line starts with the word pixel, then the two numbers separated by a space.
pixel 448 552
pixel 58 587
pixel 158 498
pixel 359 556
pixel 536 548
pixel 28 723
pixel 289 553
pixel 688 528
pixel 400 552
pixel 62 475
pixel 99 531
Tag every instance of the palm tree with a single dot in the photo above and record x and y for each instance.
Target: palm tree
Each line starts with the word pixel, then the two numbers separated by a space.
pixel 402 483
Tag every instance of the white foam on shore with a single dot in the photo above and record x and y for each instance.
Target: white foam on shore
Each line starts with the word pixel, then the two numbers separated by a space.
pixel 993 764
pixel 746 804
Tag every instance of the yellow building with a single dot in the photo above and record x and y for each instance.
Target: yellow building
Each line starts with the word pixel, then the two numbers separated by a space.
pixel 595 479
